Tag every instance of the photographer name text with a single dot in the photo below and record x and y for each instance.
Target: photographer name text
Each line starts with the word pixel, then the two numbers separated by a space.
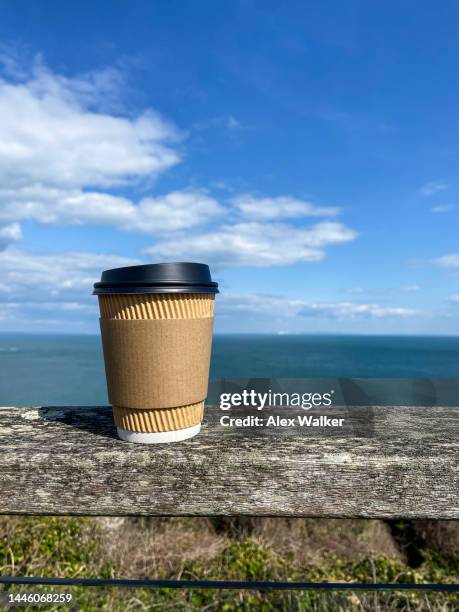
pixel 278 421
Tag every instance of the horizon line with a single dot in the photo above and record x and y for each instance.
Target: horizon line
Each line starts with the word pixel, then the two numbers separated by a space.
pixel 277 334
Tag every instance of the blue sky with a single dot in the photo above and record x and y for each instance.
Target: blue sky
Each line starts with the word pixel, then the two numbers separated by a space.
pixel 306 151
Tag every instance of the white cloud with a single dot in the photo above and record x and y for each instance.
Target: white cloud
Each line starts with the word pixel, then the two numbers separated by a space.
pixel 283 207
pixel 9 233
pixel 234 303
pixel 43 307
pixel 64 317
pixel 346 310
pixel 173 211
pixel 443 208
pixel 52 133
pixel 410 288
pixel 255 244
pixel 35 277
pixel 58 149
pixel 383 290
pixel 289 307
pixel 432 187
pixel 448 261
pixel 454 298
pixel 61 149
pixel 356 290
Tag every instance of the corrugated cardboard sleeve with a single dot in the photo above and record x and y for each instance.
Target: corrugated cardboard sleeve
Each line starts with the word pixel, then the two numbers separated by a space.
pixel 154 420
pixel 156 363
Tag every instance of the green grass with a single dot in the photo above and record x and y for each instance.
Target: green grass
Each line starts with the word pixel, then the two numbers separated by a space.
pixel 68 547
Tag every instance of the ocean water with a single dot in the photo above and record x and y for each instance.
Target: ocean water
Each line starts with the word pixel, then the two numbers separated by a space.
pixel 66 370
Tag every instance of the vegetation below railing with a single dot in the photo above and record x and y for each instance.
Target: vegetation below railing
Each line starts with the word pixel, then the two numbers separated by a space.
pixel 234 549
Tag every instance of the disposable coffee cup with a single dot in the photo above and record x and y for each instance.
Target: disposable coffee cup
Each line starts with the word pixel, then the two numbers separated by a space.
pixel 156 324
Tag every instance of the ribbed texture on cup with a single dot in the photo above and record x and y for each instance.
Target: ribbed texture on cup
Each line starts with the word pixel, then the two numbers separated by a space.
pixel 134 306
pixel 152 421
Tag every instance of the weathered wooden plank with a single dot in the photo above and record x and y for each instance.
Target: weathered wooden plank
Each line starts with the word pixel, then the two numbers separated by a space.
pixel 385 462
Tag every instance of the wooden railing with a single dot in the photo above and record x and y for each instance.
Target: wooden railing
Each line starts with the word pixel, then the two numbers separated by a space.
pixel 385 462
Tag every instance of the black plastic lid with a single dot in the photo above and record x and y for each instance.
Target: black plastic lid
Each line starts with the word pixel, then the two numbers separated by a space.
pixel 182 277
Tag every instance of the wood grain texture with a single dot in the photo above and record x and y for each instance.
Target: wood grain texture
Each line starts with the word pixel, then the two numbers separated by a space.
pixel 385 462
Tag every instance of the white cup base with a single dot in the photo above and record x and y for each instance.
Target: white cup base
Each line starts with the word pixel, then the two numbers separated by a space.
pixel 159 437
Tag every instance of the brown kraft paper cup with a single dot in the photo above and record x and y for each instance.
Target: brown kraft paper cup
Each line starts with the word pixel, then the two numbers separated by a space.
pixel 157 355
